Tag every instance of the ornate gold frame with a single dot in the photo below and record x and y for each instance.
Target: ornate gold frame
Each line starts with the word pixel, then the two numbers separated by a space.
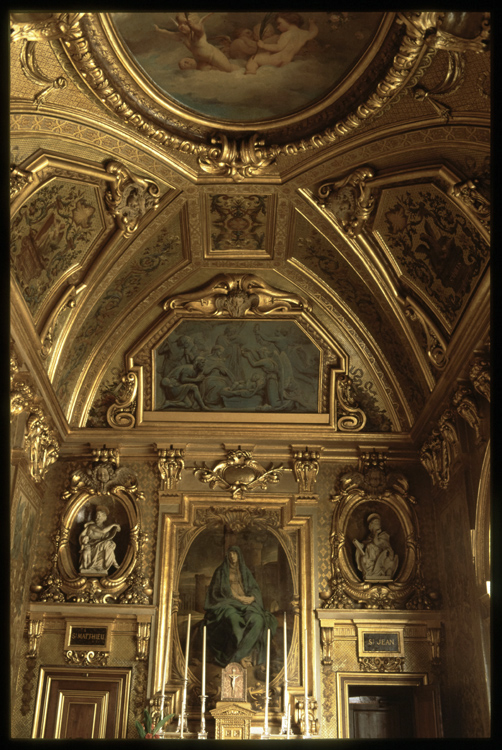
pixel 109 585
pixel 275 513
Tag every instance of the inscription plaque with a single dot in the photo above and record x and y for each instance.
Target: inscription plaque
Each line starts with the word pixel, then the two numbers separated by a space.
pixel 81 636
pixel 381 642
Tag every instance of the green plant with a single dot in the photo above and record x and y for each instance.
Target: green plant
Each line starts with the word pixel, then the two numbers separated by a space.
pixel 145 730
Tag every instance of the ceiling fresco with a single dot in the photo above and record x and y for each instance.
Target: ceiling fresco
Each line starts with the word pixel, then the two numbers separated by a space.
pixel 247 67
pixel 241 138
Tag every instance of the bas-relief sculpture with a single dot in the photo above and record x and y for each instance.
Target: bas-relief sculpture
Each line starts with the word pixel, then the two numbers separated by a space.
pixel 237 366
pixel 246 66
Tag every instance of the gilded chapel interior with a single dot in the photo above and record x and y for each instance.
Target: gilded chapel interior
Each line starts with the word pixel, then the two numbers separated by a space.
pixel 250 375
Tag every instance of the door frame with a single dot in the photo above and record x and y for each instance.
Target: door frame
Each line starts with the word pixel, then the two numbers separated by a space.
pixel 345 680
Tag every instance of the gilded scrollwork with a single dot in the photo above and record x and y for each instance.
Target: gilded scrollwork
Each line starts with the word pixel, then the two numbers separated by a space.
pixel 129 197
pixel 237 519
pixel 68 300
pixel 438 451
pixel 86 658
pixel 34 74
pixel 372 496
pixel 352 418
pixel 120 414
pixel 238 473
pixel 238 295
pixel 19 179
pixel 381 663
pixel 436 345
pixel 237 159
pixel 349 200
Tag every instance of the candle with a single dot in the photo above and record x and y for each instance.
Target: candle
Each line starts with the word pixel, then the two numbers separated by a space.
pixel 164 673
pixel 285 652
pixel 267 677
pixel 204 661
pixel 188 646
pixel 306 688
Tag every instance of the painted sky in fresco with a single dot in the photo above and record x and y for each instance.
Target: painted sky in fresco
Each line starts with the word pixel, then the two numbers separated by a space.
pixel 319 65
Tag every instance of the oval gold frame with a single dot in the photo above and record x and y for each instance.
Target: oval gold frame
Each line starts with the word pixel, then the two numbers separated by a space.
pixel 111 585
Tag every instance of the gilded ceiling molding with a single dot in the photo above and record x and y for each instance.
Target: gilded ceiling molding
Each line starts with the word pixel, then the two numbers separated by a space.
pixel 129 197
pixel 238 473
pixel 349 200
pixel 67 300
pixel 19 180
pixel 238 295
pixel 87 44
pixel 370 495
pixel 41 442
pixel 480 377
pixel 56 27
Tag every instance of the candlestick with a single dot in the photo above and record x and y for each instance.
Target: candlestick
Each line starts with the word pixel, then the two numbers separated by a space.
pixel 185 681
pixel 265 735
pixel 203 734
pixel 306 734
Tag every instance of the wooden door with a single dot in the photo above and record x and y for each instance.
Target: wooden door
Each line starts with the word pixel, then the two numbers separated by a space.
pixel 82 703
pixel 378 717
pixel 427 705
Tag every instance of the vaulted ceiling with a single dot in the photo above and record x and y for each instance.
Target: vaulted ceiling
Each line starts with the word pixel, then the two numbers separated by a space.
pixel 370 199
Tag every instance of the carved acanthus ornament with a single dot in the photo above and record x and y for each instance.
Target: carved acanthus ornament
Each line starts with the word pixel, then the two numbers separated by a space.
pixel 352 417
pixel 238 295
pixel 41 442
pixel 121 414
pixel 438 451
pixel 237 159
pixel 327 639
pixel 170 465
pixel 237 519
pixel 349 200
pixel 477 204
pixel 238 473
pixel 129 197
pixel 381 663
pixel 467 408
pixel 35 630
pixel 86 658
pixel 34 74
pixel 479 375
pixel 384 494
pixel 299 716
pixel 306 469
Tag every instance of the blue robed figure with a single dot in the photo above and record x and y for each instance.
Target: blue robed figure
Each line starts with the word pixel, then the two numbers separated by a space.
pixel 235 618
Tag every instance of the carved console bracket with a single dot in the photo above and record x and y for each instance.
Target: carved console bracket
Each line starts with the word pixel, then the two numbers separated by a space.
pixel 121 414
pixel 170 465
pixel 35 630
pixel 143 640
pixel 238 473
pixel 129 197
pixel 477 205
pixel 480 377
pixel 305 470
pixel 438 451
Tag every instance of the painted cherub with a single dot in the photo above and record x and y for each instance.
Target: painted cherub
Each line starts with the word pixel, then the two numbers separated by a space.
pixel 192 34
pixel 290 42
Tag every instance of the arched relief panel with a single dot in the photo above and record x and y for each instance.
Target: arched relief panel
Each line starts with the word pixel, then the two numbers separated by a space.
pixel 275 545
pixel 248 351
